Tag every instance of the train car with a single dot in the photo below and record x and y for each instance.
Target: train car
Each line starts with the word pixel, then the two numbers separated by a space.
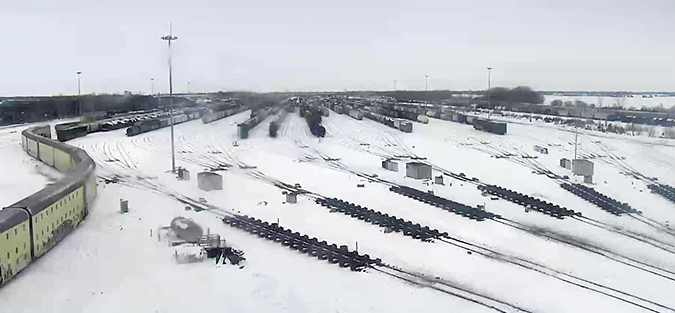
pixel 68 132
pixel 405 126
pixel 469 120
pixel 32 226
pixel 423 119
pixel 356 114
pixel 277 122
pixel 244 128
pixel 489 126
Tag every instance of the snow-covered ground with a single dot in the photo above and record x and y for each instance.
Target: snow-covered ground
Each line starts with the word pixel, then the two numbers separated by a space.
pixel 626 102
pixel 22 175
pixel 603 264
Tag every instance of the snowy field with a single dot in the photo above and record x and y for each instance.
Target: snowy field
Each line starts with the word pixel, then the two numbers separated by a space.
pixel 21 174
pixel 637 101
pixel 602 263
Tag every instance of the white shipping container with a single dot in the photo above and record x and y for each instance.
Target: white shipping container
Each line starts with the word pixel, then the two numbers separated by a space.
pixel 582 167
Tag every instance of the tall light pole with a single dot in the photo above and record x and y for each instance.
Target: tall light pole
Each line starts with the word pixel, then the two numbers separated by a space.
pixel 152 87
pixel 489 93
pixel 170 37
pixel 394 85
pixel 426 83
pixel 79 94
pixel 188 87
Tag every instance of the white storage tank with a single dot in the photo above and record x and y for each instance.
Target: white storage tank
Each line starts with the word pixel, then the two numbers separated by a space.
pixel 423 119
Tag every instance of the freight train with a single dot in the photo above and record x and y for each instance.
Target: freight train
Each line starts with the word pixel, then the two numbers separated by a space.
pixel 150 125
pixel 357 114
pixel 489 126
pixel 478 123
pixel 210 116
pixel 402 125
pixel 35 224
pixel 68 131
pixel 256 117
pixel 276 123
pixel 313 118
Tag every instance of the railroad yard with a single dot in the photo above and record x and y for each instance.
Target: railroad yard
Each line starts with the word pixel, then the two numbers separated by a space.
pixel 321 200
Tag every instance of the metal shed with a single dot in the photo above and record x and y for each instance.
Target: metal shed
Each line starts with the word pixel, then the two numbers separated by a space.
pixel 208 181
pixel 582 167
pixel 390 165
pixel 566 163
pixel 183 174
pixel 291 197
pixel 418 170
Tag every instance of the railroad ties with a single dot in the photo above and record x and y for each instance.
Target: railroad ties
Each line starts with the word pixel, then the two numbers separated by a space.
pixel 445 204
pixel 665 190
pixel 302 243
pixel 528 202
pixel 604 202
pixel 386 221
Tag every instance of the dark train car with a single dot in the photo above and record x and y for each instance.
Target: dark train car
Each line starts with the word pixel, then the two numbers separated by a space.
pixel 313 118
pixel 489 126
pixel 68 132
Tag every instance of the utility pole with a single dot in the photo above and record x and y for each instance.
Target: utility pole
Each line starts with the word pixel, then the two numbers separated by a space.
pixel 489 93
pixel 79 94
pixel 576 142
pixel 152 87
pixel 170 38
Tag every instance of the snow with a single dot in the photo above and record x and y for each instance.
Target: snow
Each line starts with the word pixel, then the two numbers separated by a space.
pixel 627 102
pixel 22 175
pixel 134 271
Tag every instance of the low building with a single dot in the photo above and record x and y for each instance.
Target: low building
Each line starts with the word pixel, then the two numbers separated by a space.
pixel 582 167
pixel 418 170
pixel 209 181
pixel 390 165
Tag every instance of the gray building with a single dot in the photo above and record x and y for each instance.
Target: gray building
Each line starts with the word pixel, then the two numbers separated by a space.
pixel 418 170
pixel 582 167
pixel 208 181
pixel 390 165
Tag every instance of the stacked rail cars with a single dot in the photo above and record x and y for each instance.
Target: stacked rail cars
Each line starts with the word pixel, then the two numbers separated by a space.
pixel 150 125
pixel 277 122
pixel 245 127
pixel 313 117
pixel 211 116
pixel 402 125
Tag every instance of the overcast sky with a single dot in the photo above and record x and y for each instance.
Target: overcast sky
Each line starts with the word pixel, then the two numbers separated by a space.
pixel 266 45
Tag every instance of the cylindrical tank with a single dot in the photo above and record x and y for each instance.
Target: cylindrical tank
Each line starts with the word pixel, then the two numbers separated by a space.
pixel 186 229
